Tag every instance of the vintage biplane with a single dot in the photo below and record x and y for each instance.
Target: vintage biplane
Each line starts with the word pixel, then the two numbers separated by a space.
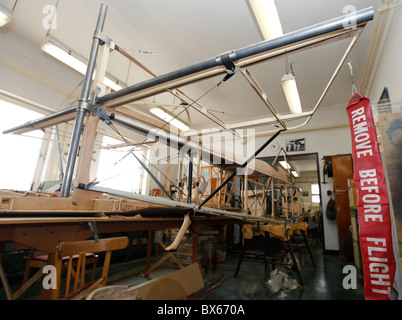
pixel 242 188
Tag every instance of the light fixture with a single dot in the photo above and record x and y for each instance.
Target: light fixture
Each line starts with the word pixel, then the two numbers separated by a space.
pixel 62 53
pixel 5 16
pixel 170 118
pixel 289 87
pixel 295 174
pixel 290 90
pixel 284 164
pixel 266 15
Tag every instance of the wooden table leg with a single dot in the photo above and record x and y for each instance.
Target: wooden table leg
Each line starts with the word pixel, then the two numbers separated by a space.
pixel 195 248
pixel 52 293
pixel 165 257
pixel 295 264
pixel 243 251
pixel 3 277
pixel 151 239
pixel 2 247
pixel 196 228
pixel 308 249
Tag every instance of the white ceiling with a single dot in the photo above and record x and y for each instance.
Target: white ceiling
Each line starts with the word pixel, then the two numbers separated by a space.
pixel 182 32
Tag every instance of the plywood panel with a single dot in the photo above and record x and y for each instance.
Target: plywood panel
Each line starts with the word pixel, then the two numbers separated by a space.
pixel 174 286
pixel 390 126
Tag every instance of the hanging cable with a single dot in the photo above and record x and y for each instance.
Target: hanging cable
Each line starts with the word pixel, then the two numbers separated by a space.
pixel 109 123
pixel 134 147
pixel 234 133
pixel 143 164
pixel 15 4
pixel 354 89
pixel 177 93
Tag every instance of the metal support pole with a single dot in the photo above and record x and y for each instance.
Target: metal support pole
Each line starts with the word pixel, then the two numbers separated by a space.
pixel 83 105
pixel 72 154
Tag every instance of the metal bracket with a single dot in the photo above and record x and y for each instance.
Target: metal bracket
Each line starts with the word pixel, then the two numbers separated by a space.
pixel 84 186
pixel 92 98
pixel 89 106
pixel 97 111
pixel 84 106
pixel 227 59
pixel 94 230
pixel 102 37
pixel 101 113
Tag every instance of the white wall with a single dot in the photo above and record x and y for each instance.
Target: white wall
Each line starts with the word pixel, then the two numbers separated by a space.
pixel 388 73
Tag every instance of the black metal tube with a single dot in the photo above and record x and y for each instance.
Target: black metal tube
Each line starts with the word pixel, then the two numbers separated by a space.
pixel 72 153
pixel 241 167
pixel 82 105
pixel 316 30
pixel 332 25
pixel 38 122
pixel 190 176
pixel 198 67
pixel 152 176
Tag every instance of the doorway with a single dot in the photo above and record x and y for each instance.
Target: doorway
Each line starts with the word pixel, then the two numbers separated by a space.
pixel 305 168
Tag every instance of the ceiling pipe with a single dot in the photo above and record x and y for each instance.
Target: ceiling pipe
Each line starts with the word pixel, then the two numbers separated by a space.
pixel 219 64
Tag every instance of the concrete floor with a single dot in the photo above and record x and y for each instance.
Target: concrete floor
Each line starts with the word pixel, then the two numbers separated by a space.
pixel 321 283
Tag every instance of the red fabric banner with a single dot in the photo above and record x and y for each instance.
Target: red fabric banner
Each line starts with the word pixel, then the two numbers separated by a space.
pixel 372 202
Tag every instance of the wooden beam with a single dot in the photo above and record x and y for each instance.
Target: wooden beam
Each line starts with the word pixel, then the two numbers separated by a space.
pixel 6 285
pixel 85 154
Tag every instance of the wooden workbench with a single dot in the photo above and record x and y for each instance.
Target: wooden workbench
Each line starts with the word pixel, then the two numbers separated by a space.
pixel 44 233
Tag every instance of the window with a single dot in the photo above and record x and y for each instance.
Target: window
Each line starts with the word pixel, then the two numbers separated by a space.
pixel 315 193
pixel 19 153
pixel 120 170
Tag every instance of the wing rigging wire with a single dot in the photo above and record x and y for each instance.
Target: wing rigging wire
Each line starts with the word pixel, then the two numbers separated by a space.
pixel 135 147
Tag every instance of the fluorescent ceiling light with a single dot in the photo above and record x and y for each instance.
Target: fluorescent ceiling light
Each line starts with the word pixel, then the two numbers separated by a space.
pixel 267 17
pixel 295 174
pixel 289 87
pixel 266 14
pixel 65 56
pixel 284 164
pixel 59 51
pixel 170 118
pixel 5 16
pixel 112 84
